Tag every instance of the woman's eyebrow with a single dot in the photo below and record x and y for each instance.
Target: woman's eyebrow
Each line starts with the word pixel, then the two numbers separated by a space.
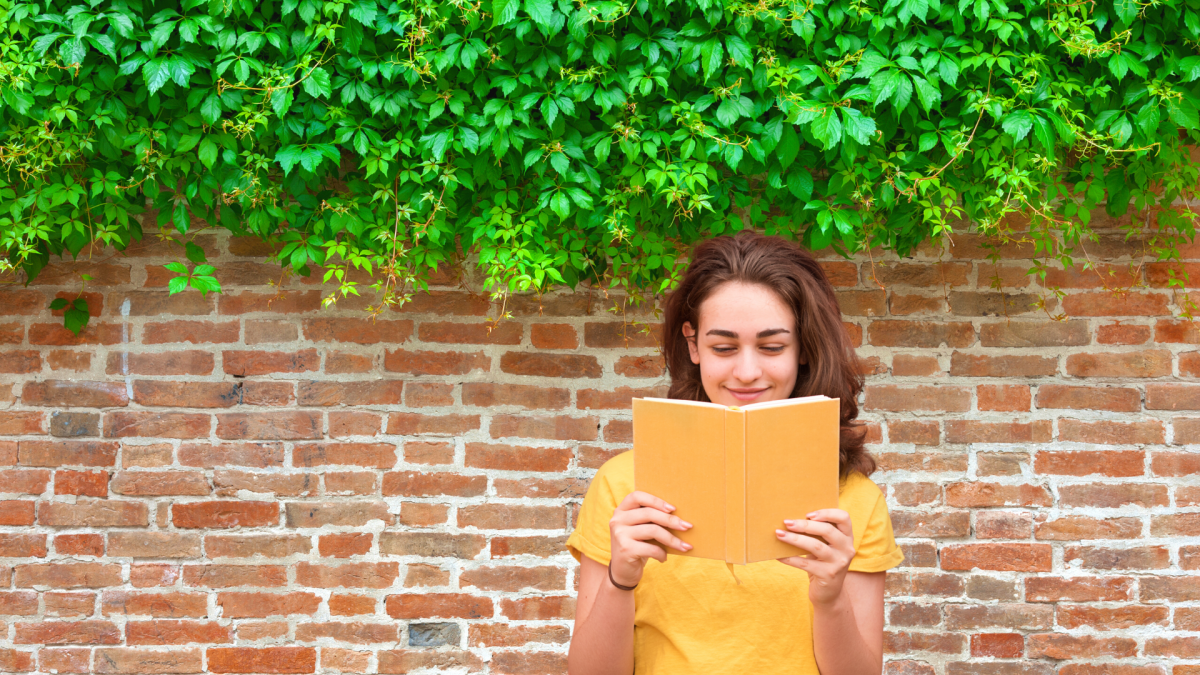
pixel 762 333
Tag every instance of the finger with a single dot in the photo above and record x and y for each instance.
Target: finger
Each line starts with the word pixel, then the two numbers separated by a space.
pixel 638 499
pixel 650 515
pixel 838 517
pixel 819 549
pixel 658 533
pixel 827 531
pixel 645 550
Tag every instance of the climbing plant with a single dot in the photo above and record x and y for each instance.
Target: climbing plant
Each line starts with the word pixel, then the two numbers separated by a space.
pixel 552 142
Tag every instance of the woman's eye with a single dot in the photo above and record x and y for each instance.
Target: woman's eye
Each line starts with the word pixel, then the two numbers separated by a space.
pixel 773 350
pixel 724 350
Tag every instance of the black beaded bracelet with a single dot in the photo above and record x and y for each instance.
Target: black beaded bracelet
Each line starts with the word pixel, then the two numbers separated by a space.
pixel 614 581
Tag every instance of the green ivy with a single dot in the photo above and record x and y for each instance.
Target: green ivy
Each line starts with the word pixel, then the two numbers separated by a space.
pixel 559 141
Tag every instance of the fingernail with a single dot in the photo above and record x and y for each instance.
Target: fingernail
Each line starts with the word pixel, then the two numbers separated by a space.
pixel 669 507
pixel 687 547
pixel 779 533
pixel 789 523
pixel 686 524
pixel 811 514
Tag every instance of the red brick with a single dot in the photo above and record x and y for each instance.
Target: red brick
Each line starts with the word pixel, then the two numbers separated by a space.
pixel 67 453
pixel 262 660
pixel 1142 363
pixel 415 484
pixel 1114 463
pixel 67 575
pixel 160 483
pixel 1112 433
pixel 439 605
pixel 429 394
pixel 1117 334
pixel 261 605
pixel 347 632
pixel 21 422
pixel 349 575
pixel 343 424
pixel 176 632
pixel 153 545
pixel 983 365
pixel 512 517
pixel 93 513
pixel 251 545
pixel 914 365
pixel 561 428
pixel 1111 496
pixel 539 364
pixel 862 303
pixel 377 455
pixel 1187 430
pixel 553 336
pixel 149 575
pixel 517 458
pixel 431 544
pixel 147 661
pixel 230 576
pixel 442 303
pixel 977 495
pixel 640 366
pixel 95 334
pixel 75 394
pixel 1104 558
pixel 24 481
pixel 915 432
pixel 1003 397
pixel 1171 589
pixel 16 545
pixel 406 661
pixel 417 514
pixel 898 398
pixel 225 514
pixel 344 604
pixel 160 393
pixel 79 544
pixel 1172 397
pixel 618 335
pixel 342 513
pixel 350 482
pixel 411 424
pixel 345 545
pixel 24 361
pixel 489 333
pixel 193 362
pixel 373 392
pixel 148 603
pixel 282 302
pixel 1058 646
pixel 256 455
pixel 1116 304
pixel 1034 334
pixel 17 512
pixel 1078 589
pixel 255 362
pixel 435 363
pixel 156 425
pixel 620 398
pixel 1014 616
pixel 487 395
pixel 998 645
pixel 974 431
pixel 270 426
pixel 922 334
pixel 345 363
pixel 1076 528
pixel 82 483
pixel 1114 399
pixel 196 332
pixel 360 331
pixel 1003 525
pixel 1003 557
pixel 68 633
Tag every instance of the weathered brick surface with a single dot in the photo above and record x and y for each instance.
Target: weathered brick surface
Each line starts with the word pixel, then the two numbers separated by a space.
pixel 279 488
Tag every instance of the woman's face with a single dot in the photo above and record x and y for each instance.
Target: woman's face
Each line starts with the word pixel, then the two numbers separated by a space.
pixel 746 345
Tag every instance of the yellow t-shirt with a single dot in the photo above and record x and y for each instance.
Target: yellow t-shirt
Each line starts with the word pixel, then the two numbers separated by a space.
pixel 692 616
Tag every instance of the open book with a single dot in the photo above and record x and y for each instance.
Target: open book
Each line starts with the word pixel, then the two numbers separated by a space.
pixel 735 473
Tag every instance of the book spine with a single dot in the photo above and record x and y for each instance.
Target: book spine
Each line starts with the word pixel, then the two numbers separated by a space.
pixel 735 487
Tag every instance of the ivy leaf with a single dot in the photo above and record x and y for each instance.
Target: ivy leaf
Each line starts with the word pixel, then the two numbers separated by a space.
pixel 177 284
pixel 789 146
pixel 1127 10
pixel 180 217
pixel 1017 124
pixel 57 304
pixel 210 110
pixel 927 93
pixel 43 43
pixel 181 70
pixel 317 84
pixel 1148 119
pixel 194 253
pixel 711 54
pixel 208 152
pixel 364 11
pixel 157 73
pixel 541 11
pixel 857 125
pixel 739 51
pixel 72 51
pixel 504 11
pixel 800 184
pixel 176 267
pixel 288 156
pixel 76 319
pixel 827 128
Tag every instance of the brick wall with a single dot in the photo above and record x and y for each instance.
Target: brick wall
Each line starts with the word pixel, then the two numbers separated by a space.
pixel 246 483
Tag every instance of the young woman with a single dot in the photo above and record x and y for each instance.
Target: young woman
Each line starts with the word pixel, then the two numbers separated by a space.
pixel 754 319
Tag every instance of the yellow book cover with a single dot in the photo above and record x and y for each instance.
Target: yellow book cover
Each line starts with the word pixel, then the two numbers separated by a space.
pixel 735 473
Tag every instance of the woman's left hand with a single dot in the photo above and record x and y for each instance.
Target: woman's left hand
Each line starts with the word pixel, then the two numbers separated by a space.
pixel 829 560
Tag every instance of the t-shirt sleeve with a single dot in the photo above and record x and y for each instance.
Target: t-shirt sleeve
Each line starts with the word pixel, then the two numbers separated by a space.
pixel 591 535
pixel 877 550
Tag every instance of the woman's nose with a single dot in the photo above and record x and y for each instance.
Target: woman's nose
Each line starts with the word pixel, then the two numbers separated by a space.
pixel 747 368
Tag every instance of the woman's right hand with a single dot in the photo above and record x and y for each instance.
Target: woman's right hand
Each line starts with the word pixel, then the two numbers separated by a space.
pixel 638 521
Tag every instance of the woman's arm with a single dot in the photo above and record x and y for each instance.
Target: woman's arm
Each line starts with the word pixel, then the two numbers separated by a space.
pixel 847 606
pixel 602 643
pixel 848 633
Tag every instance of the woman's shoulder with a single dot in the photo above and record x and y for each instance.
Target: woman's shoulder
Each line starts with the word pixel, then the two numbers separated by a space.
pixel 614 478
pixel 858 490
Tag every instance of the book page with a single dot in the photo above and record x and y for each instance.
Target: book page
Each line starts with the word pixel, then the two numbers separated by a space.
pixel 791 469
pixel 679 456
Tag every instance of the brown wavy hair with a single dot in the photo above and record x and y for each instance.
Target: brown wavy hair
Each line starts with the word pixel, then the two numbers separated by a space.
pixel 832 367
